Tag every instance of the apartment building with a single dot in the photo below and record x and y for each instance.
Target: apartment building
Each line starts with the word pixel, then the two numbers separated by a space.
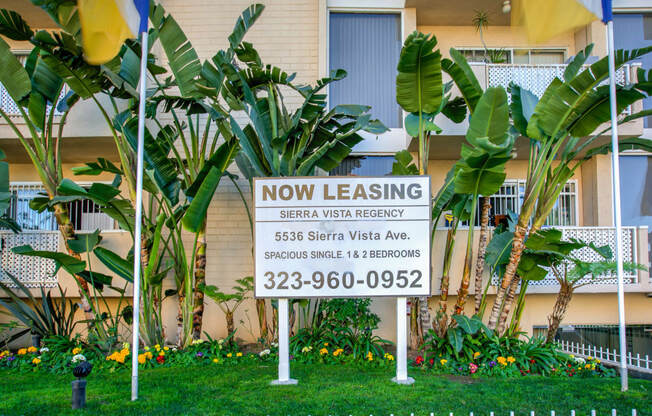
pixel 313 37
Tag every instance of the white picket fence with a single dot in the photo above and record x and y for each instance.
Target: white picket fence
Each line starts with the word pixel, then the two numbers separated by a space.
pixel 613 412
pixel 612 357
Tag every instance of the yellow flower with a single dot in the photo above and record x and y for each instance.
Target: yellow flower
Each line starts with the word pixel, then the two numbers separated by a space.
pixel 443 361
pixel 325 344
pixel 161 353
pixel 338 352
pixel 597 361
pixel 323 351
pixel 389 357
pixel 124 351
pixel 141 359
pixel 370 356
pixel 166 348
pixel 22 351
pixel 4 353
pixel 146 348
pixel 158 347
pixel 36 361
pixel 215 360
pixel 32 349
pixel 501 360
pixel 589 358
pixel 229 355
pixel 476 354
pixel 148 355
pixel 511 359
pixel 238 354
pixel 76 350
pixel 587 366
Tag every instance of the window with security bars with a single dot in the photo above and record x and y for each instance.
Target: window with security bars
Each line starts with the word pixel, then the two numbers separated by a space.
pixel 510 198
pixel 8 105
pixel 532 56
pixel 85 215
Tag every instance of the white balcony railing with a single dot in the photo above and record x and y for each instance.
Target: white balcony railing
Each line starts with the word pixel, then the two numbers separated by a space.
pixel 600 236
pixel 31 271
pixel 536 78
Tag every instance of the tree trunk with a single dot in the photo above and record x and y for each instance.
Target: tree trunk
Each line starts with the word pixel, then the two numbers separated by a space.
pixel 414 323
pixel 442 316
pixel 230 328
pixel 261 310
pixel 425 319
pixel 518 244
pixel 200 280
pixel 68 233
pixel 482 251
pixel 559 310
pixel 509 300
pixel 181 302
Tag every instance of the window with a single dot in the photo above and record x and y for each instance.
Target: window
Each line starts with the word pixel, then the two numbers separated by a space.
pixel 85 215
pixel 364 166
pixel 510 198
pixel 367 46
pixel 636 193
pixel 537 56
pixel 634 30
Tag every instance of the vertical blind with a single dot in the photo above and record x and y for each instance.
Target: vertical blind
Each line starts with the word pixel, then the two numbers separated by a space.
pixel 367 46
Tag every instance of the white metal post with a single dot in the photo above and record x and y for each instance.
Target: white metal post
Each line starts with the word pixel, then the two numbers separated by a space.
pixel 615 167
pixel 401 343
pixel 283 344
pixel 138 219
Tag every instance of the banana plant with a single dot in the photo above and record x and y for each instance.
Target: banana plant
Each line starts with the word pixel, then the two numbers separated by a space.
pixel 421 92
pixel 481 169
pixel 568 110
pixel 36 90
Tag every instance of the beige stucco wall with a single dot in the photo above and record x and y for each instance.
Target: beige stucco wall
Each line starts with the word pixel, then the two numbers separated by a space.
pixel 494 36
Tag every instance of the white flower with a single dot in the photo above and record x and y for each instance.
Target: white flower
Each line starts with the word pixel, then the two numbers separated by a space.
pixel 78 358
pixel 264 352
pixel 306 349
pixel 580 360
pixel 174 349
pixel 220 341
pixel 197 341
pixel 275 344
pixel 44 350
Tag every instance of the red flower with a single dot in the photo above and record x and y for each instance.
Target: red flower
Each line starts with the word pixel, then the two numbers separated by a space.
pixel 160 359
pixel 419 360
pixel 532 361
pixel 432 361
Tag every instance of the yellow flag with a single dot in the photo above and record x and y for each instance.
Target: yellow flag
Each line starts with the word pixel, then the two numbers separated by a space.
pixel 105 25
pixel 545 19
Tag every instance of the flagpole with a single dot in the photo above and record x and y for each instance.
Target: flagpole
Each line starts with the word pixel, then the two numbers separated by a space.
pixel 139 217
pixel 615 167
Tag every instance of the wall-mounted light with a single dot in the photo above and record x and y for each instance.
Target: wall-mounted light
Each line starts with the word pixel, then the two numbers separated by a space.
pixel 507 6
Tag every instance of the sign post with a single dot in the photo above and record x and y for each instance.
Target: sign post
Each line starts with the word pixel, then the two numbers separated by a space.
pixel 326 237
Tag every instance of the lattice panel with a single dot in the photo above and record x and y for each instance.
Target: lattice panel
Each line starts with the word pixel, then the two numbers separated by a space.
pixel 536 78
pixel 31 271
pixel 600 236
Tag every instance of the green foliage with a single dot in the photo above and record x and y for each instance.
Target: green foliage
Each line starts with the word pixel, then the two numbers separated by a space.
pixel 345 324
pixel 404 165
pixel 418 83
pixel 486 354
pixel 45 316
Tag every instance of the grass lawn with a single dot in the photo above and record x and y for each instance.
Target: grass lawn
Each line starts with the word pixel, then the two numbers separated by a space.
pixel 322 390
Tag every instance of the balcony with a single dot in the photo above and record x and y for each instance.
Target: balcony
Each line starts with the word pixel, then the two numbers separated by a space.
pixel 635 249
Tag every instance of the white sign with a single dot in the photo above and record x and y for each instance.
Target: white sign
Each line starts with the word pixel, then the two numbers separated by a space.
pixel 342 236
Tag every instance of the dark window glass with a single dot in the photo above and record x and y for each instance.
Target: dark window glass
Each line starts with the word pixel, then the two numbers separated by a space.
pixel 367 46
pixel 364 166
